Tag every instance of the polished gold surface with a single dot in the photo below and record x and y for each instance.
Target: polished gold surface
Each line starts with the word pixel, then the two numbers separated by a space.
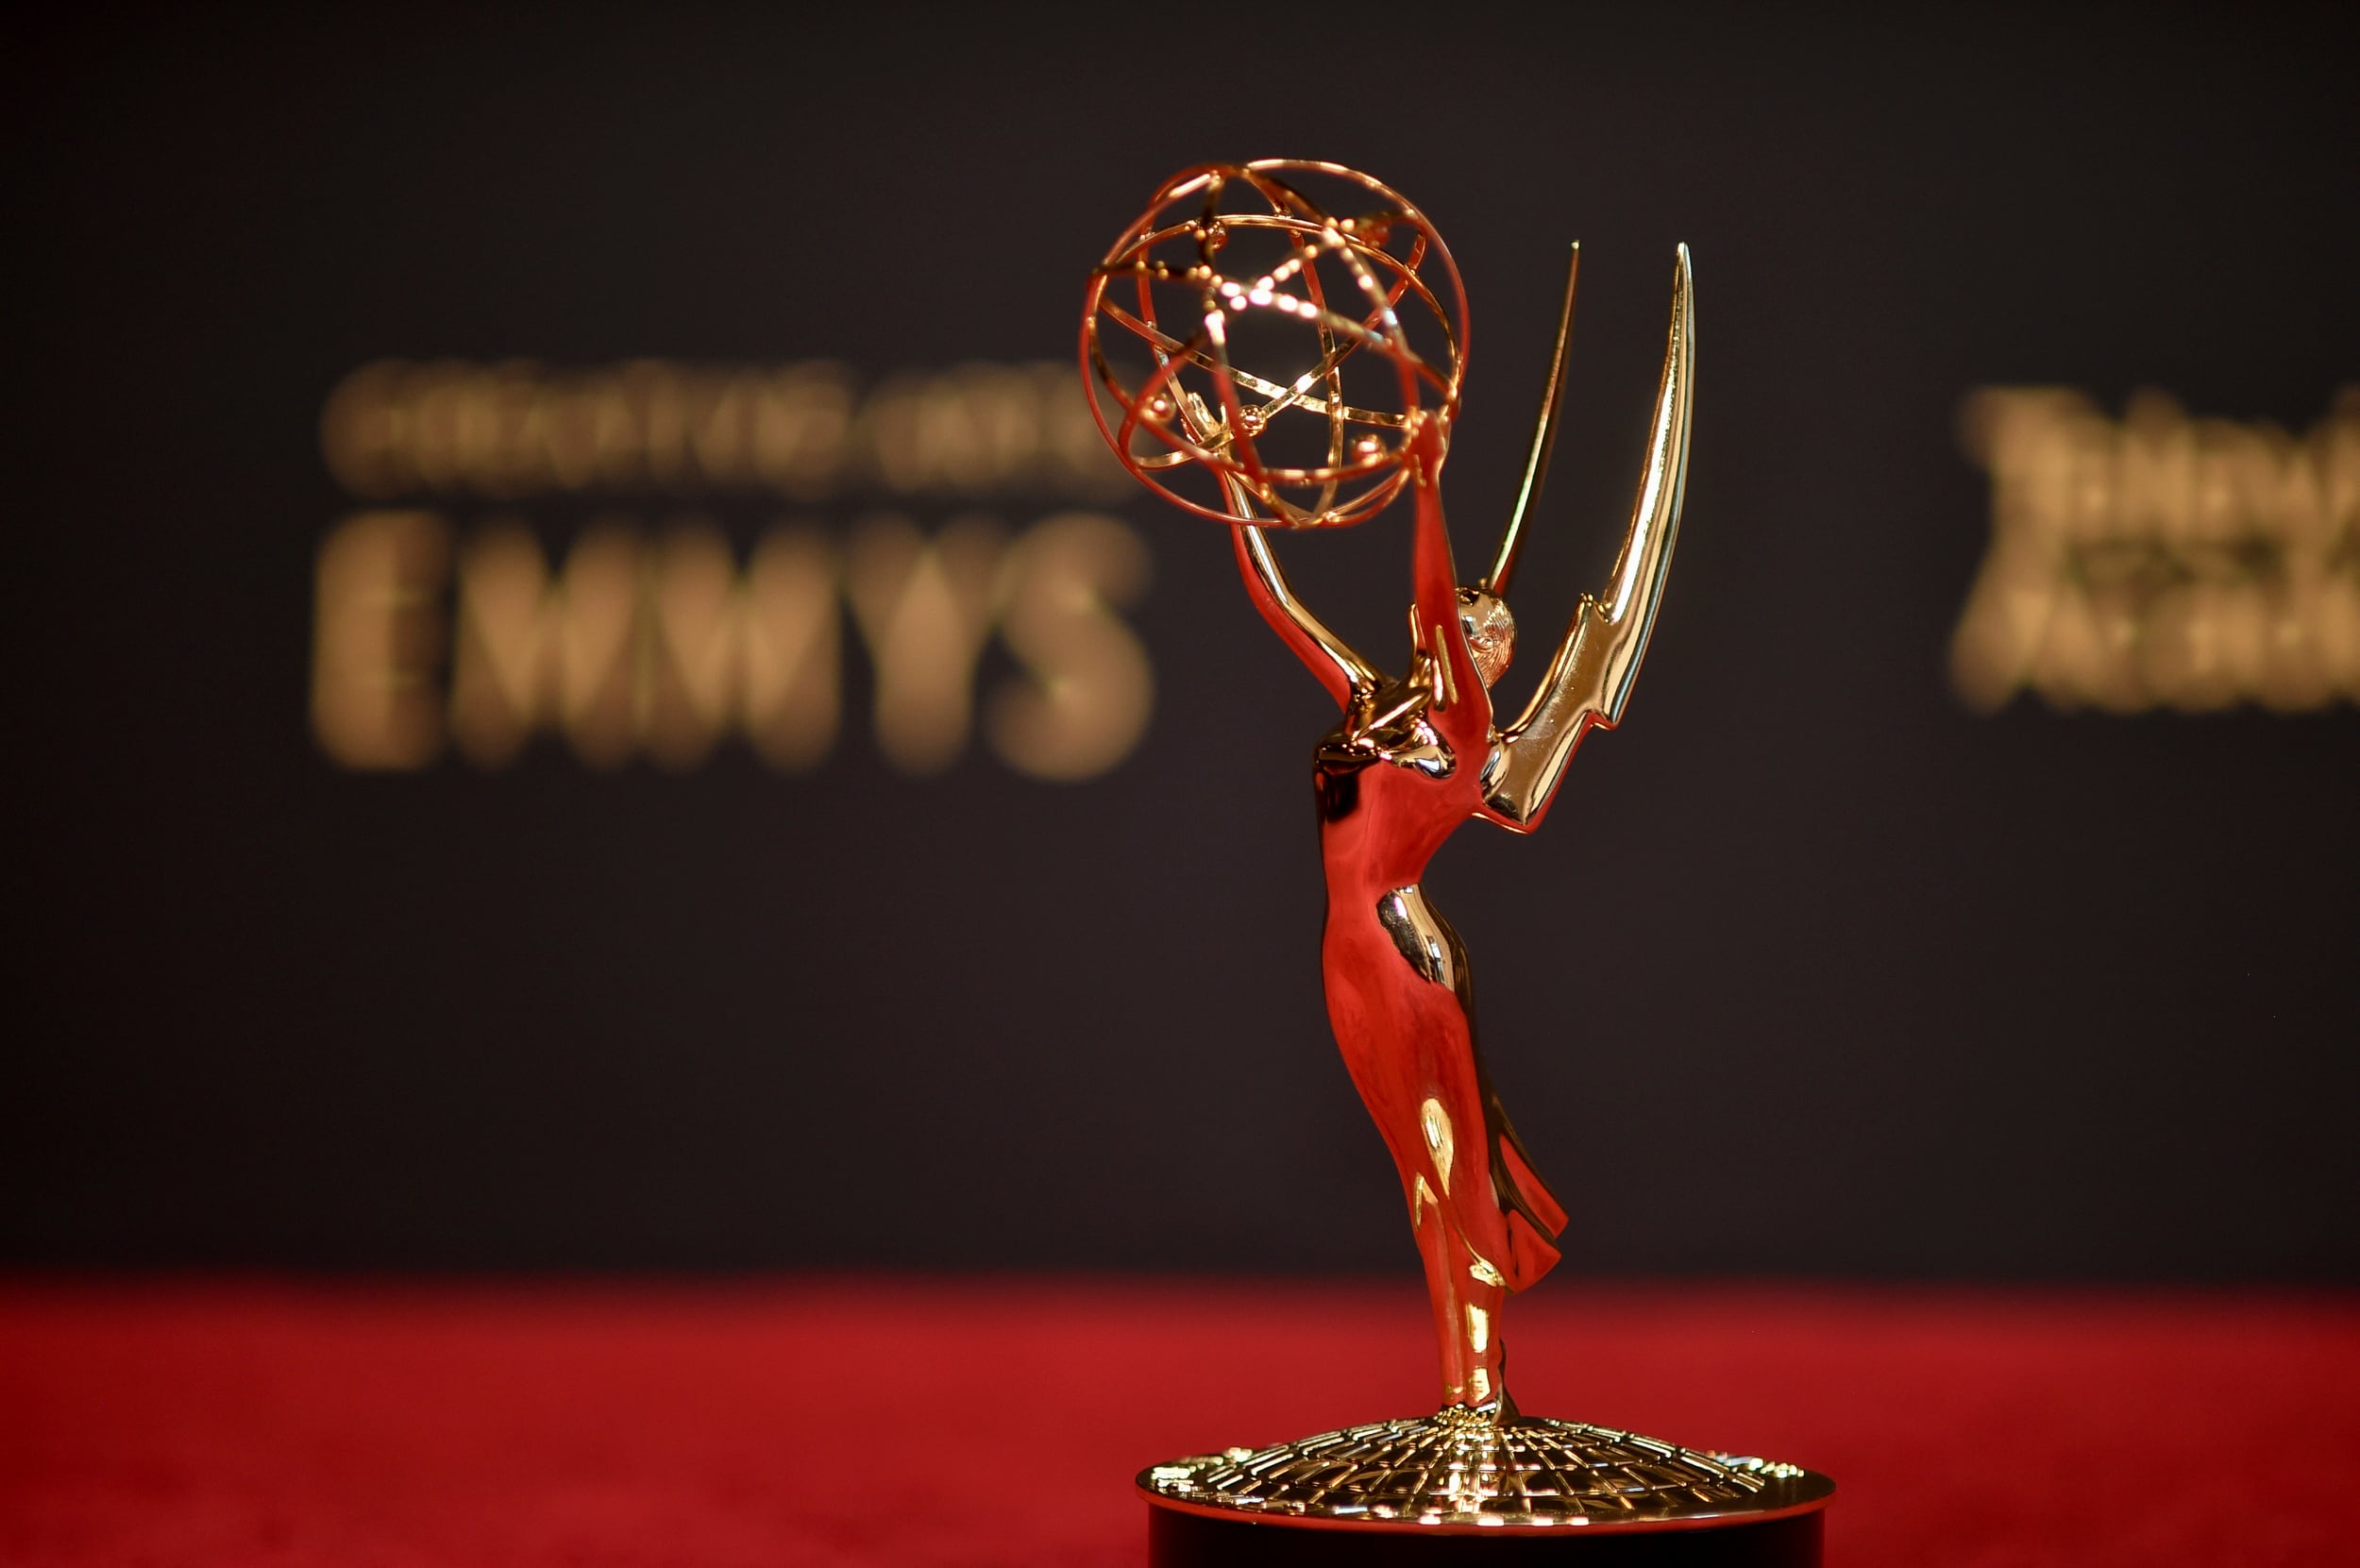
pixel 1408 761
pixel 1543 435
pixel 1589 681
pixel 1457 1470
pixel 1232 252
pixel 1240 265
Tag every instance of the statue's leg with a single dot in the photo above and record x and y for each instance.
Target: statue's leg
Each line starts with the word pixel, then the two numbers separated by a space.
pixel 1407 1040
pixel 1464 1290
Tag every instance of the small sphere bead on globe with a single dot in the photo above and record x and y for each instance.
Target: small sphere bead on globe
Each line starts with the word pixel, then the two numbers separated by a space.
pixel 1267 343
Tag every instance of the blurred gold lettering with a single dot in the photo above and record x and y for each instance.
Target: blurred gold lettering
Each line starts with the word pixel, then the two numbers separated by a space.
pixel 516 428
pixel 379 587
pixel 532 651
pixel 1091 687
pixel 756 653
pixel 2162 560
pixel 793 649
pixel 663 646
pixel 696 653
pixel 924 609
pixel 357 434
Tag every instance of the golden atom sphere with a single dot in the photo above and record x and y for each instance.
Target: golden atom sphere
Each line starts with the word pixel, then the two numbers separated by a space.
pixel 1266 341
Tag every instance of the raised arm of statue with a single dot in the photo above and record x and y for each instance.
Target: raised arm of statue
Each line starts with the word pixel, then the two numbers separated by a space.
pixel 1343 672
pixel 1462 710
pixel 1589 681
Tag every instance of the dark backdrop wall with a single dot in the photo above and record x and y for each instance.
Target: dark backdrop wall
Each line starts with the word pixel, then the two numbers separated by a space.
pixel 1818 968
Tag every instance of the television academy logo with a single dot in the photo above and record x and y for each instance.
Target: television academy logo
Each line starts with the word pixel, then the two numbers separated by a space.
pixel 2159 560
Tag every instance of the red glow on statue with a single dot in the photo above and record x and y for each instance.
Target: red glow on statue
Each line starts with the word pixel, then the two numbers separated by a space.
pixel 1414 756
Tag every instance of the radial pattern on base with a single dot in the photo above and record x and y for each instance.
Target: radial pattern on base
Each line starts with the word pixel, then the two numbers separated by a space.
pixel 1460 1468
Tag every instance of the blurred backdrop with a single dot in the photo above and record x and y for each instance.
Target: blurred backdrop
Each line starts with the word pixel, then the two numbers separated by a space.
pixel 586 698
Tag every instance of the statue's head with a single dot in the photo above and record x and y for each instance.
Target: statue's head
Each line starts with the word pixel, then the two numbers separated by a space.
pixel 1274 341
pixel 1491 632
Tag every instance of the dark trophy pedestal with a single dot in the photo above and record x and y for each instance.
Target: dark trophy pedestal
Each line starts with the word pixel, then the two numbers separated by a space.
pixel 1179 1539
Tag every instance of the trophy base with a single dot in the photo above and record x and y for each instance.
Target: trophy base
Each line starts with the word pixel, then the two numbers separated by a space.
pixel 1455 1486
pixel 1176 1540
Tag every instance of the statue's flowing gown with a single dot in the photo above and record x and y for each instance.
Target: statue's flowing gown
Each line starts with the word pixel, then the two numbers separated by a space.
pixel 1409 763
pixel 1402 1003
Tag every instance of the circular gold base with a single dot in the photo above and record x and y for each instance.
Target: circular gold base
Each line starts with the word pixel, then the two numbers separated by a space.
pixel 1464 1475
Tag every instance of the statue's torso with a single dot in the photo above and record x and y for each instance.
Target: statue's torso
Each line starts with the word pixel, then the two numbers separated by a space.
pixel 1391 788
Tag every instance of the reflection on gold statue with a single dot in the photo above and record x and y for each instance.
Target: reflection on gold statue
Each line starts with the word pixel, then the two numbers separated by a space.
pixel 1415 755
pixel 1266 362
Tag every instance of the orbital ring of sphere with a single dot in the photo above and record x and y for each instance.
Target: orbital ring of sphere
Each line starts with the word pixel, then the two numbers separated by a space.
pixel 1258 356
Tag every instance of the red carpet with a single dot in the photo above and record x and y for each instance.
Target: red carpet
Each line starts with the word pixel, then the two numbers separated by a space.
pixel 822 1423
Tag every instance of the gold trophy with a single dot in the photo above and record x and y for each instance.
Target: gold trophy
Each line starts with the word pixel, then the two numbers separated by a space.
pixel 1280 345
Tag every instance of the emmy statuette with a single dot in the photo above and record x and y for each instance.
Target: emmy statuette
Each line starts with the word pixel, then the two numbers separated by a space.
pixel 1279 344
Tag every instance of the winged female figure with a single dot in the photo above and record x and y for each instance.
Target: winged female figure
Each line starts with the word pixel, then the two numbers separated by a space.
pixel 1414 755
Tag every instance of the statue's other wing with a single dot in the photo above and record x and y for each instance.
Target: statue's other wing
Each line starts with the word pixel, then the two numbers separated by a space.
pixel 1590 681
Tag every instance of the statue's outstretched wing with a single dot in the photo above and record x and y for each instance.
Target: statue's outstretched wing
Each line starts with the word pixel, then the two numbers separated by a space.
pixel 1590 681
